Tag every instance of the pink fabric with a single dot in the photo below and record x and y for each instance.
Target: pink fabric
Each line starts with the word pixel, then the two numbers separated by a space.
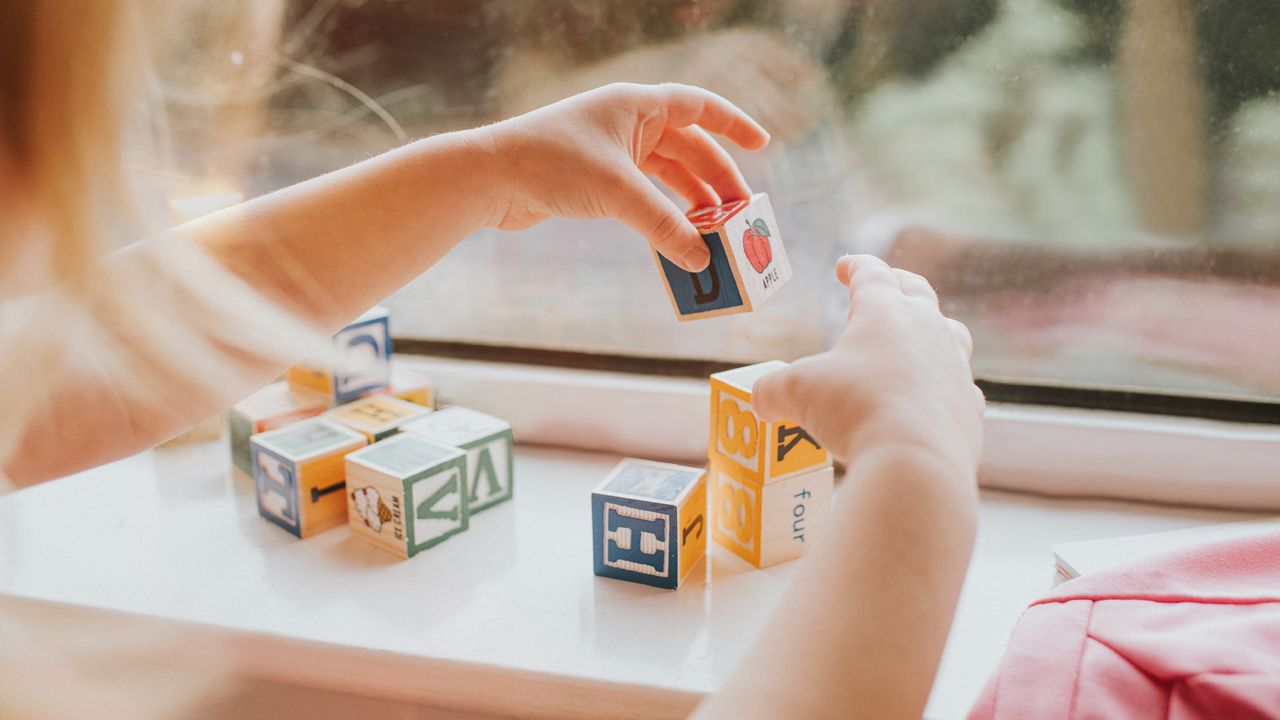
pixel 1188 635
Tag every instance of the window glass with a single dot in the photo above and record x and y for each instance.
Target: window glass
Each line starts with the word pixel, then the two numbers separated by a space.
pixel 1092 185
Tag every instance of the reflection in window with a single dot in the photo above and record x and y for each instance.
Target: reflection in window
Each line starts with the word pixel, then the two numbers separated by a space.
pixel 1093 185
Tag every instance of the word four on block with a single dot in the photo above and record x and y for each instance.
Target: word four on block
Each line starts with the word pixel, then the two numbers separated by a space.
pixel 766 524
pixel 271 408
pixel 299 474
pixel 748 261
pixel 489 445
pixel 760 451
pixel 377 417
pixel 360 363
pixel 649 522
pixel 407 494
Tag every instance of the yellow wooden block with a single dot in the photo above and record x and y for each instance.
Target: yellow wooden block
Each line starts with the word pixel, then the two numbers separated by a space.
pixel 762 452
pixel 693 528
pixel 377 416
pixel 411 386
pixel 300 475
pixel 768 524
pixel 360 361
pixel 310 379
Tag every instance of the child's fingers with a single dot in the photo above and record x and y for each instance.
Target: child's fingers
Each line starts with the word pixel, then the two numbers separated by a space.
pixel 682 180
pixel 695 148
pixel 638 203
pixel 915 285
pixel 688 105
pixel 773 396
pixel 963 336
pixel 869 277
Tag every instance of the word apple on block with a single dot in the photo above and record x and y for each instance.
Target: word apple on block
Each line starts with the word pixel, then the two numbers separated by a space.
pixel 488 443
pixel 748 262
pixel 376 416
pixel 766 524
pixel 361 361
pixel 272 407
pixel 300 475
pixel 771 482
pixel 648 522
pixel 407 494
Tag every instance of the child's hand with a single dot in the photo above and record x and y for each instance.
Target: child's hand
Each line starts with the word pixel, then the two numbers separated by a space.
pixel 586 157
pixel 898 377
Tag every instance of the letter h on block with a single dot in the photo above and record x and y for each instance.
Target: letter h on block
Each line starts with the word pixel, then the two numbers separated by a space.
pixel 362 352
pixel 748 262
pixel 407 494
pixel 298 473
pixel 648 522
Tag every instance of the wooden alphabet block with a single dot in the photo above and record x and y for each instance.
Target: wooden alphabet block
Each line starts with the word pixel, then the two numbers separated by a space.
pixel 363 357
pixel 376 416
pixel 300 474
pixel 770 523
pixel 489 446
pixel 272 407
pixel 748 262
pixel 407 494
pixel 649 522
pixel 409 385
pixel 762 452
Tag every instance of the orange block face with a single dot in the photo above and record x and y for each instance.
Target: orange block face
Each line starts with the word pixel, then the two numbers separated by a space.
pixel 735 511
pixel 760 452
pixel 693 528
pixel 310 379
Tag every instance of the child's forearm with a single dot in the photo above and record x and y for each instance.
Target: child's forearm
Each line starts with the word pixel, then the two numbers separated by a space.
pixel 331 247
pixel 861 630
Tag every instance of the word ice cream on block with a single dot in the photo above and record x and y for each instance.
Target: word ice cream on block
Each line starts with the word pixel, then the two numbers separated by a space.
pixel 770 523
pixel 299 474
pixel 361 362
pixel 376 416
pixel 771 482
pixel 488 443
pixel 407 494
pixel 748 262
pixel 648 522
pixel 272 407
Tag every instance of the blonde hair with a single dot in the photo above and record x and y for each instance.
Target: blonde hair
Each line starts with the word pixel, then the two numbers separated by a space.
pixel 83 170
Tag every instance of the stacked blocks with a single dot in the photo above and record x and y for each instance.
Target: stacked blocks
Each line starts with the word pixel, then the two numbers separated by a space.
pixel 299 474
pixel 407 494
pixel 489 446
pixel 748 262
pixel 771 483
pixel 377 417
pixel 648 522
pixel 363 349
pixel 272 407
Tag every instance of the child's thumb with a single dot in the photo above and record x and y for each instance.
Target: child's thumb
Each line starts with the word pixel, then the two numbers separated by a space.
pixel 773 397
pixel 647 211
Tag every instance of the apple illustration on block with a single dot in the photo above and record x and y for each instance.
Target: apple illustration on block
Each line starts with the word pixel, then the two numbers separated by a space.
pixel 755 243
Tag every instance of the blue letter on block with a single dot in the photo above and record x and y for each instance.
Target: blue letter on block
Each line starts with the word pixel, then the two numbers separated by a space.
pixel 711 289
pixel 633 540
pixel 277 486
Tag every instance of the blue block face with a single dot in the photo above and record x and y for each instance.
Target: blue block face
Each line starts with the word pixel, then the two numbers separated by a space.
pixel 710 290
pixel 276 480
pixel 367 342
pixel 635 540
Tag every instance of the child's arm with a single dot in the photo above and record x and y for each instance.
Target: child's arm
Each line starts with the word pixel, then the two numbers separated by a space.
pixel 360 233
pixel 329 248
pixel 861 630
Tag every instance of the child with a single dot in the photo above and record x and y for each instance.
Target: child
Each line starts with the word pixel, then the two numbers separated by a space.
pixel 106 353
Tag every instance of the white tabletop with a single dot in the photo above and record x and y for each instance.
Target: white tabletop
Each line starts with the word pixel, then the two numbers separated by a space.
pixel 506 617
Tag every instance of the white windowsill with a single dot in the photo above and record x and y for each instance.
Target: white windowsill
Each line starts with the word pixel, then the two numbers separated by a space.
pixel 1053 451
